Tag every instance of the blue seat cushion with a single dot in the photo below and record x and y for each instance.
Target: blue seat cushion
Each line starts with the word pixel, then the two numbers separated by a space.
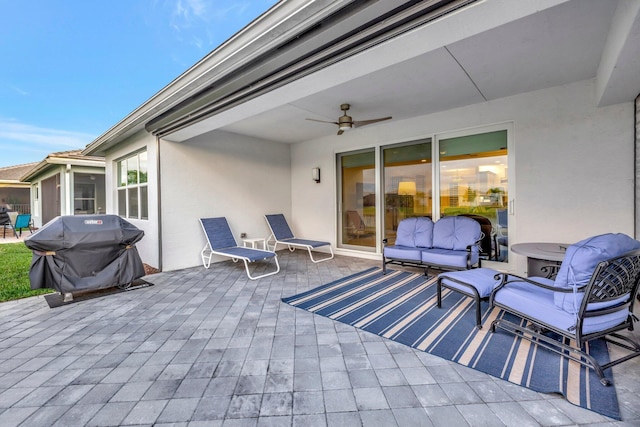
pixel 249 253
pixel 483 279
pixel 448 257
pixel 403 252
pixel 305 242
pixel 580 262
pixel 455 233
pixel 538 303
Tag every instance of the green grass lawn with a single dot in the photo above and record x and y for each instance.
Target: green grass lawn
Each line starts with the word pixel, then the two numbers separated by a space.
pixel 15 259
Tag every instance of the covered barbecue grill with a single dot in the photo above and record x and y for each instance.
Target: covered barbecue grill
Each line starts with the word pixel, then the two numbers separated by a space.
pixel 85 252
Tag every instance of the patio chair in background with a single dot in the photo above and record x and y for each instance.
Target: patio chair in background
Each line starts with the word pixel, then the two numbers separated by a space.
pixel 487 242
pixel 355 224
pixel 220 241
pixel 502 231
pixel 581 305
pixel 282 234
pixel 17 222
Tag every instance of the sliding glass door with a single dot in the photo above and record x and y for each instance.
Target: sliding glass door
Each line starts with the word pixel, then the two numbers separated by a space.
pixel 408 189
pixel 474 182
pixel 357 215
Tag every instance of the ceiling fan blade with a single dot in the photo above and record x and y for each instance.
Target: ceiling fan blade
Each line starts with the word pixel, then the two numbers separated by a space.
pixel 360 123
pixel 322 121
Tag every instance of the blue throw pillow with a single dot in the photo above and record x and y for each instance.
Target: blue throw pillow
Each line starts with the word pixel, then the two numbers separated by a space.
pixel 580 262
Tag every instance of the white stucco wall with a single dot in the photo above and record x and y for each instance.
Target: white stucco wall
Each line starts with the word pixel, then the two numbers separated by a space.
pixel 220 174
pixel 573 163
pixel 148 246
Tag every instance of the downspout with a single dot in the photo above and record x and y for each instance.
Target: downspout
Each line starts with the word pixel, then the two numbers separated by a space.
pixel 159 202
pixel 636 142
pixel 67 191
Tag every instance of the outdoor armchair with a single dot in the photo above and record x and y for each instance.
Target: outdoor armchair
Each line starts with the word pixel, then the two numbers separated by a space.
pixel 17 222
pixel 592 297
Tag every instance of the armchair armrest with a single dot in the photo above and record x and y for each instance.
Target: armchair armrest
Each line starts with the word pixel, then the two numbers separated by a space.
pixel 477 243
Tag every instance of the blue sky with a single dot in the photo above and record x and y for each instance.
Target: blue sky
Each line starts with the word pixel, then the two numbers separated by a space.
pixel 71 69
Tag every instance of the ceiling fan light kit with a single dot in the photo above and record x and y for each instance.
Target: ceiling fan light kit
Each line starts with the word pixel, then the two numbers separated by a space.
pixel 346 122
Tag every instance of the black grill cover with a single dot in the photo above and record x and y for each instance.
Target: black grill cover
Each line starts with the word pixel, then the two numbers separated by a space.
pixel 74 253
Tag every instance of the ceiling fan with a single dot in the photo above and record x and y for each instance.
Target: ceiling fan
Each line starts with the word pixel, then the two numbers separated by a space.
pixel 345 122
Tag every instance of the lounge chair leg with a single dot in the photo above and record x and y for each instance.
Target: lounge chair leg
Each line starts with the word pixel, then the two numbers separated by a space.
pixel 246 266
pixel 320 260
pixel 206 260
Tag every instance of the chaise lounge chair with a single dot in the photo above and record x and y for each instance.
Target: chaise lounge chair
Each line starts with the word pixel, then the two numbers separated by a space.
pixel 282 234
pixel 356 226
pixel 220 241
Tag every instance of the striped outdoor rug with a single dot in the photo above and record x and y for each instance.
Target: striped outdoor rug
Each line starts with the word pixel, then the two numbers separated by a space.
pixel 401 306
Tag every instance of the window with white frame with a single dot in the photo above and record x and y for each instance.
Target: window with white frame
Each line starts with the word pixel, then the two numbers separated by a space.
pixel 132 187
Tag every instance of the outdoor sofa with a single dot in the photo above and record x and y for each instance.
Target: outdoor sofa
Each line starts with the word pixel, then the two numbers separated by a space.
pixel 451 243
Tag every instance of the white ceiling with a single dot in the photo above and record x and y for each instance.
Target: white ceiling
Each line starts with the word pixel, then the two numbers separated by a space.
pixel 555 46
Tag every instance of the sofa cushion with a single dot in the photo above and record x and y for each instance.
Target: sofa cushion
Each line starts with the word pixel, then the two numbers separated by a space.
pixel 402 252
pixel 406 233
pixel 455 233
pixel 424 232
pixel 448 257
pixel 580 262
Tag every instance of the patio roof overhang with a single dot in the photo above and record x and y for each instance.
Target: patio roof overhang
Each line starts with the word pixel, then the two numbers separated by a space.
pixel 14 184
pixel 73 158
pixel 397 58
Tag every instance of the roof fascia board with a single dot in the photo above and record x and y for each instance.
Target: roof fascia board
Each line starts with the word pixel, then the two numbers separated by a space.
pixel 270 29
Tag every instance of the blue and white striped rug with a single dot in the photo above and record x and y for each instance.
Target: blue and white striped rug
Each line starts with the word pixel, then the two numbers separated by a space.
pixel 401 306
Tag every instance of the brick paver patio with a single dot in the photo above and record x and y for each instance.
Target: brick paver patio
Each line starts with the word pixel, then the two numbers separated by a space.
pixel 212 348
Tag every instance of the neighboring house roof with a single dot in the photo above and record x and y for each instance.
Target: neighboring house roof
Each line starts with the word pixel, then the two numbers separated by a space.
pixel 72 157
pixel 13 173
pixel 10 175
pixel 303 58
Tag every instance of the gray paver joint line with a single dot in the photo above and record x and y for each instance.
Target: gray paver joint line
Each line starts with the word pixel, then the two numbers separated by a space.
pixel 209 346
